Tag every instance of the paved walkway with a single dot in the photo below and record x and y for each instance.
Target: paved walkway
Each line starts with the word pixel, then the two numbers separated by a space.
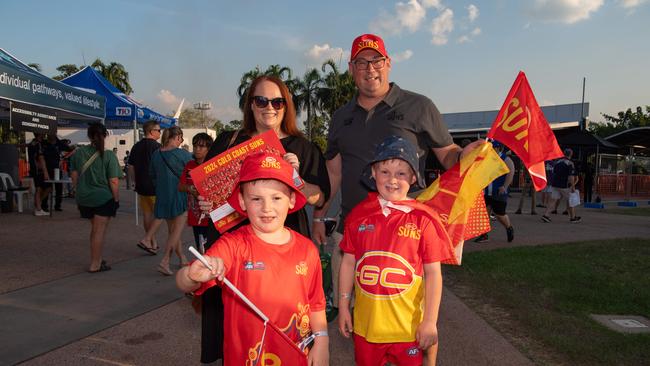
pixel 53 312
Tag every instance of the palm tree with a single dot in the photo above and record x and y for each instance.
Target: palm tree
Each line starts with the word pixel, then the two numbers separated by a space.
pixel 282 72
pixel 115 73
pixel 65 71
pixel 245 82
pixel 338 88
pixel 306 97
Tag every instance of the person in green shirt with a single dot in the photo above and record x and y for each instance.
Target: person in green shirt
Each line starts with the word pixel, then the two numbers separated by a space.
pixel 95 174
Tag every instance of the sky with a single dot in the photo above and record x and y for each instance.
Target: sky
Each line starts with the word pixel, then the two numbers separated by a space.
pixel 464 55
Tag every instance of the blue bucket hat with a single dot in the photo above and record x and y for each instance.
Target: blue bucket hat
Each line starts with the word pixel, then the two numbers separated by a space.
pixel 393 147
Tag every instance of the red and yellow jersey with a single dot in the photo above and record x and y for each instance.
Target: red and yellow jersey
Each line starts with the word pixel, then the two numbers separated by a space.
pixel 283 281
pixel 390 253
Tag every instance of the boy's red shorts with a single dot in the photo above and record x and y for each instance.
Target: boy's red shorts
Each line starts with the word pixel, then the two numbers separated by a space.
pixel 377 354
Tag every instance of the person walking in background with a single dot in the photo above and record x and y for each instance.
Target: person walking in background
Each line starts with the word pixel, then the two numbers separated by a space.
pixel 95 174
pixel 139 162
pixel 127 176
pixel 496 195
pixel 201 143
pixel 562 185
pixel 527 189
pixel 38 172
pixel 167 164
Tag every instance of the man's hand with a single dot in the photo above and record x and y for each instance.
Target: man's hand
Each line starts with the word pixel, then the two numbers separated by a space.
pixel 319 354
pixel 426 334
pixel 469 148
pixel 318 232
pixel 345 322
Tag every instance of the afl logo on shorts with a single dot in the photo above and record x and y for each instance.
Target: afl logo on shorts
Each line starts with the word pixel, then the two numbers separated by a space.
pixel 384 275
pixel 412 351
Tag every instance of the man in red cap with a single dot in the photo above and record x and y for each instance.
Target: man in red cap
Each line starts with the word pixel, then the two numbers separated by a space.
pixel 278 269
pixel 379 109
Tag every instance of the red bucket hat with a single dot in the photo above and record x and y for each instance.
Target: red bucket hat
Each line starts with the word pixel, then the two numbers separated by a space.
pixel 267 166
pixel 367 41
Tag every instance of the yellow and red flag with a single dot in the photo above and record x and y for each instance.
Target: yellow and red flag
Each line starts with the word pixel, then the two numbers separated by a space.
pixel 522 127
pixel 457 196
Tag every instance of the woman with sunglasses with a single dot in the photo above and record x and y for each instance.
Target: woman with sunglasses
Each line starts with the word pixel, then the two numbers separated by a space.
pixel 268 106
pixel 166 167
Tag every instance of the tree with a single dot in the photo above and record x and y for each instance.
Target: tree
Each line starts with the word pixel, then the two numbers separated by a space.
pixel 115 73
pixel 193 118
pixel 233 125
pixel 65 71
pixel 623 121
pixel 306 97
pixel 338 88
pixel 282 72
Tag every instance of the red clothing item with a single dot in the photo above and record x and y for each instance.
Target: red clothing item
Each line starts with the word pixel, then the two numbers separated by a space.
pixel 193 209
pixel 390 253
pixel 283 281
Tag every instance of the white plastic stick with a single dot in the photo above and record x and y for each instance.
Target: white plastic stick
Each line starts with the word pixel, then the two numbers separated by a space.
pixel 234 289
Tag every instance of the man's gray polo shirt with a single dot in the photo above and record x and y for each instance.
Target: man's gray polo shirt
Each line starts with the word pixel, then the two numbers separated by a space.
pixel 354 133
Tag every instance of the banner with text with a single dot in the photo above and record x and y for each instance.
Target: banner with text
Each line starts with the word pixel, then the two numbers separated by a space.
pixel 216 178
pixel 27 117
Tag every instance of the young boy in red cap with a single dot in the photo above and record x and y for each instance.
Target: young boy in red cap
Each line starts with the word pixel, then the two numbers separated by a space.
pixel 392 249
pixel 278 269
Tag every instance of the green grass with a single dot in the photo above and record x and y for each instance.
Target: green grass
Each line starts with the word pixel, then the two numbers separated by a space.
pixel 632 211
pixel 549 291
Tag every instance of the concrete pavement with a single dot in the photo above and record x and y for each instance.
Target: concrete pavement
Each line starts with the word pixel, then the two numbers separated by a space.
pixel 53 312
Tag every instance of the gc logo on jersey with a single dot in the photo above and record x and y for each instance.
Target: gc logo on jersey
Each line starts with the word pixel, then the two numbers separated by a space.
pixel 384 275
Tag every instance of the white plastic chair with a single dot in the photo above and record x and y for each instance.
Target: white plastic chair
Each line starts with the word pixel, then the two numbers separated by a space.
pixel 19 192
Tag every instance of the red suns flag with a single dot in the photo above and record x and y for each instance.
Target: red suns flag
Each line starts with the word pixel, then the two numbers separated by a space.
pixel 522 127
pixel 276 348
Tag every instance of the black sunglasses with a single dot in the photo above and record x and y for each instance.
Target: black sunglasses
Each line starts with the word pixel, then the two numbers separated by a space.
pixel 262 102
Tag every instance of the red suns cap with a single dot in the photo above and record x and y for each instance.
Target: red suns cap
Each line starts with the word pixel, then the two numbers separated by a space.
pixel 266 166
pixel 367 41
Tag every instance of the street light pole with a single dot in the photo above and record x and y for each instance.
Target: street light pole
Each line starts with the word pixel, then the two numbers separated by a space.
pixel 203 106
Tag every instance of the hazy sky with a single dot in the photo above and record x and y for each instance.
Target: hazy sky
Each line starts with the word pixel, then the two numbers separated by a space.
pixel 462 54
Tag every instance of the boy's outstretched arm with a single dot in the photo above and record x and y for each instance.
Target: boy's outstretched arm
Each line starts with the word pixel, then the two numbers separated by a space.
pixel 346 284
pixel 189 278
pixel 319 355
pixel 427 332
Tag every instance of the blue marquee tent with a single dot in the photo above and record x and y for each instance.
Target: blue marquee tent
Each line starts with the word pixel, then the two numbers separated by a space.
pixel 121 110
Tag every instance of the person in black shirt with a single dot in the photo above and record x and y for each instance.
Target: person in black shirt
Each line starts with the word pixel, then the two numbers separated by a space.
pixel 139 160
pixel 38 172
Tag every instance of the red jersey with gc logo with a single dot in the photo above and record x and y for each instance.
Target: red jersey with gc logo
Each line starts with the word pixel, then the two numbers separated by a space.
pixel 390 253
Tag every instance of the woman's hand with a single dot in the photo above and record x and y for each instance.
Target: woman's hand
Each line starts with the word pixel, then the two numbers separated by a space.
pixel 292 159
pixel 204 205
